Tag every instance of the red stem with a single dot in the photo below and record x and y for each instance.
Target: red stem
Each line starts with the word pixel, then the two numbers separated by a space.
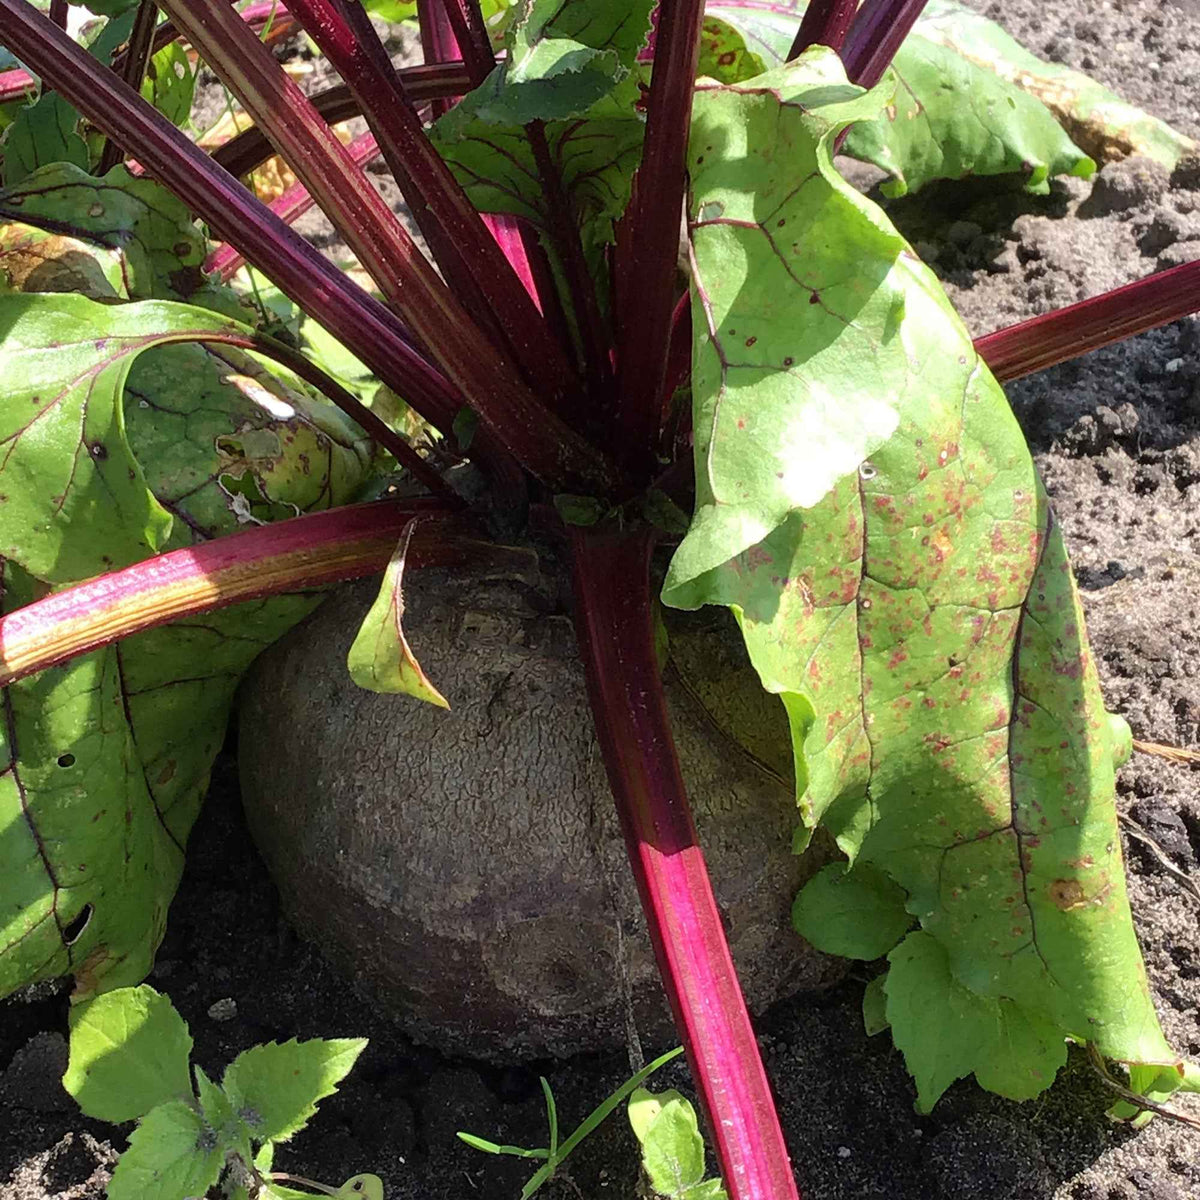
pixel 59 12
pixel 466 21
pixel 875 36
pixel 16 84
pixel 290 556
pixel 462 245
pixel 648 253
pixel 227 260
pixel 1069 332
pixel 367 328
pixel 133 70
pixel 825 23
pixel 564 236
pixel 241 154
pixel 613 619
pixel 438 44
pixel 515 416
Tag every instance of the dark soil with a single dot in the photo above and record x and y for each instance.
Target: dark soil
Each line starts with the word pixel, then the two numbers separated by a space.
pixel 1117 436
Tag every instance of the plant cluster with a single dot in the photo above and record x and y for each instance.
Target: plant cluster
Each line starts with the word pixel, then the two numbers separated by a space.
pixel 130 1054
pixel 652 314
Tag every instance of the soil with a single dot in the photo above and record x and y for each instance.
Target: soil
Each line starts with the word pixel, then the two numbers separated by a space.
pixel 1117 436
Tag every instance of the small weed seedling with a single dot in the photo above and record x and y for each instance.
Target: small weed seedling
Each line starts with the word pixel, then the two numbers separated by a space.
pixel 556 1154
pixel 129 1061
pixel 666 1128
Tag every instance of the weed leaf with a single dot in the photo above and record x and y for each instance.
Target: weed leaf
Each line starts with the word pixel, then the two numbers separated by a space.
pixel 173 1153
pixel 856 914
pixel 129 1053
pixel 274 1088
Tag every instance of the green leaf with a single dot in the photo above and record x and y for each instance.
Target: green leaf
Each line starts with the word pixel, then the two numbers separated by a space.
pixel 173 1154
pixel 781 407
pixel 579 510
pixel 672 1148
pixel 593 158
pixel 229 442
pixel 111 8
pixel 232 1133
pixel 44 132
pixel 857 914
pixel 946 1031
pixel 950 119
pixel 275 1087
pixel 947 117
pixel 380 659
pixel 75 498
pixel 874 1006
pixel 160 250
pixel 170 83
pixel 724 54
pixel 108 762
pixel 110 755
pixel 564 56
pixel 914 609
pixel 1106 126
pixel 129 1053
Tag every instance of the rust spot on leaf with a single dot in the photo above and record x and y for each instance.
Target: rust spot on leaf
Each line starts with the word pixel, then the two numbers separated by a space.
pixel 1067 894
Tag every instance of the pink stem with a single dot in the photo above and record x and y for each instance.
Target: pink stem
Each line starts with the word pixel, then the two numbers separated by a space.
pixel 614 623
pixel 290 556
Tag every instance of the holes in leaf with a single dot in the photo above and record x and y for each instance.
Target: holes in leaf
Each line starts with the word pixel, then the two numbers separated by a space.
pixel 73 930
pixel 867 470
pixel 66 760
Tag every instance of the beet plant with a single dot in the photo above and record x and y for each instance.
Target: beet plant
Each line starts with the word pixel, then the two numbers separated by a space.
pixel 653 317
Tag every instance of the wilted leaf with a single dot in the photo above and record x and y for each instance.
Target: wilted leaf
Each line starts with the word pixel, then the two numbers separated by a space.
pixel 1106 126
pixel 33 260
pixel 914 609
pixel 380 659
pixel 152 233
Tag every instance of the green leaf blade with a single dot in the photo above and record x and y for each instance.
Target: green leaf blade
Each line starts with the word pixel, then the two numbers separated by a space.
pixel 380 658
pixel 173 1154
pixel 274 1088
pixel 919 620
pixel 949 115
pixel 854 914
pixel 76 501
pixel 951 119
pixel 129 1054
